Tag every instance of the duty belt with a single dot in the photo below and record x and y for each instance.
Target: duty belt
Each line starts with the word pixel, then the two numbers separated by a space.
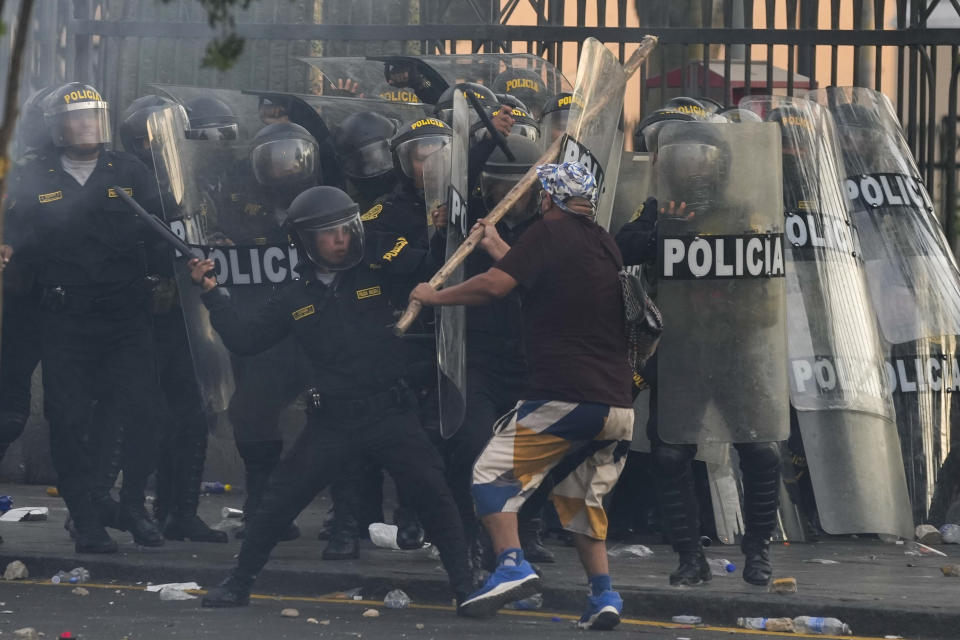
pixel 59 300
pixel 332 407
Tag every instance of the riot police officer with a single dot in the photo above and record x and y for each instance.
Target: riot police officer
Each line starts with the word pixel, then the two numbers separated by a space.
pixel 90 255
pixel 556 112
pixel 362 146
pixel 525 85
pixel 183 428
pixel 360 409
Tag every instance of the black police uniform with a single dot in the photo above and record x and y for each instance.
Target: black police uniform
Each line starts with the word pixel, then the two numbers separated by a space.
pixel 361 410
pixel 90 255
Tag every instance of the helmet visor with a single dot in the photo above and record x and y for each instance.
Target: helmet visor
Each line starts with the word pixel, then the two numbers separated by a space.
pixel 370 160
pixel 555 123
pixel 214 132
pixel 413 153
pixel 334 246
pixel 495 186
pixel 81 123
pixel 529 131
pixel 284 161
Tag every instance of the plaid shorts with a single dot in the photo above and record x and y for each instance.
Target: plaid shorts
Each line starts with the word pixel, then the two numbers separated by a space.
pixel 533 438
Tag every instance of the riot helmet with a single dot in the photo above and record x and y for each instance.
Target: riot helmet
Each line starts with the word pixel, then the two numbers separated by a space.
pixel 414 142
pixel 556 112
pixel 510 101
pixel 133 125
pixel 737 115
pixel 362 144
pixel 523 125
pixel 690 106
pixel 77 116
pixel 500 174
pixel 798 142
pixel 211 119
pixel 402 74
pixel 325 226
pixel 284 155
pixel 694 159
pixel 485 96
pixel 526 85
pixel 711 105
pixel 645 136
pixel 31 133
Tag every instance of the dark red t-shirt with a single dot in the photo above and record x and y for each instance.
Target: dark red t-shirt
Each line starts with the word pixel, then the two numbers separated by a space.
pixel 573 324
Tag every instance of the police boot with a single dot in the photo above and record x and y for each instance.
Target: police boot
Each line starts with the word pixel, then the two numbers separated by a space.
pixel 165 480
pixel 693 569
pixel 409 530
pixel 760 466
pixel 232 592
pixel 259 461
pixel 530 542
pixel 680 512
pixel 183 522
pixel 343 543
pixel 135 519
pixel 89 536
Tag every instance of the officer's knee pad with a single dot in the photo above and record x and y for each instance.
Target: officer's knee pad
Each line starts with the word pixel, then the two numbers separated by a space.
pixel 673 459
pixel 759 456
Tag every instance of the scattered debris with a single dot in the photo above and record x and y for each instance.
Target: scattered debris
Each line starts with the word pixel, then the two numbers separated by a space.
pixel 821 561
pixel 325 622
pixel 80 591
pixel 784 586
pixel 420 625
pixel 687 619
pixel 172 594
pixel 53 492
pixel 396 599
pixel 950 533
pixel 16 570
pixel 766 624
pixel 229 512
pixel 928 534
pixel 182 586
pixel 630 551
pixel 25 514
pixel 951 570
pixel 290 613
pixel 313 621
pixel 371 613
pixel 26 633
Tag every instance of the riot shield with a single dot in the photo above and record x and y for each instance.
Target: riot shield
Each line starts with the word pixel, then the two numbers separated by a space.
pixel 838 383
pixel 633 188
pixel 912 276
pixel 593 131
pixel 721 285
pixel 368 74
pixel 451 325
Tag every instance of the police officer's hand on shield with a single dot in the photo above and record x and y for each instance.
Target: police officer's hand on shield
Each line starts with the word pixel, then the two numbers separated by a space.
pixel 440 216
pixel 503 120
pixel 6 252
pixel 201 274
pixel 677 212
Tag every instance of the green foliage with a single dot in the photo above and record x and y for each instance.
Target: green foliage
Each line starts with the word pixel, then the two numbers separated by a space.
pixel 223 51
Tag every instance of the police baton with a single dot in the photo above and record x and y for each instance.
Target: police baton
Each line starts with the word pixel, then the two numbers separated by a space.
pixel 488 123
pixel 155 224
pixel 413 308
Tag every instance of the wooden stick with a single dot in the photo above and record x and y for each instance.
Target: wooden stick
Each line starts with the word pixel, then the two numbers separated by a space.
pixel 528 180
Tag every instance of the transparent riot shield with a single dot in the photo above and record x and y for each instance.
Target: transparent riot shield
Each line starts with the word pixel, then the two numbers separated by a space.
pixel 593 133
pixel 838 382
pixel 721 285
pixel 451 323
pixel 633 188
pixel 912 276
pixel 368 74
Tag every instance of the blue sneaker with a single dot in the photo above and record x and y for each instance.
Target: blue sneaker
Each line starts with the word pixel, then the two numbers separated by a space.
pixel 603 612
pixel 506 584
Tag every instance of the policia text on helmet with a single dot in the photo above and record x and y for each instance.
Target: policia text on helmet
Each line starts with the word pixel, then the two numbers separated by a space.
pixel 417 141
pixel 78 119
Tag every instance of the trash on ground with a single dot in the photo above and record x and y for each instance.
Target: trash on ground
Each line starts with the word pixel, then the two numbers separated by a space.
pixel 821 561
pixel 920 549
pixel 80 591
pixel 766 624
pixel 172 594
pixel 351 594
pixel 76 575
pixel 6 503
pixel 951 570
pixel 53 492
pixel 371 613
pixel 290 613
pixel 396 599
pixel 784 585
pixel 230 512
pixel 419 625
pixel 721 566
pixel 384 535
pixel 313 621
pixel 928 534
pixel 25 514
pixel 630 551
pixel 215 487
pixel 26 633
pixel 227 524
pixel 821 626
pixel 687 619
pixel 182 586
pixel 950 533
pixel 16 570
pixel 532 603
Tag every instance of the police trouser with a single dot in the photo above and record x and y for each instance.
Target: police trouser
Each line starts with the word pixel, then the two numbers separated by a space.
pixel 680 511
pixel 19 355
pixel 99 362
pixel 392 438
pixel 183 425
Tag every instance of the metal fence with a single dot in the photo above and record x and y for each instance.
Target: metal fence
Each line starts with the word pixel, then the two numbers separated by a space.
pixel 724 48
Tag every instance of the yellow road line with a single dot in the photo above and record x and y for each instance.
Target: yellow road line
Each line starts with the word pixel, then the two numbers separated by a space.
pixel 332 598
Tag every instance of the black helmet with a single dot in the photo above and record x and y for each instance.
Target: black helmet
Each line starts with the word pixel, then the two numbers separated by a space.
pixel 444 108
pixel 711 105
pixel 324 224
pixel 76 114
pixel 797 131
pixel 31 133
pixel 500 174
pixel 695 160
pixel 526 85
pixel 284 154
pixel 511 101
pixel 414 142
pixel 645 136
pixel 211 119
pixel 523 125
pixel 362 144
pixel 690 106
pixel 556 112
pixel 738 115
pixel 133 124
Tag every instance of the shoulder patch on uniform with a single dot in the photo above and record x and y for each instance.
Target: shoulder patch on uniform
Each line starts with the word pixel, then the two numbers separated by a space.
pixel 397 248
pixel 113 194
pixel 50 197
pixel 368 293
pixel 372 213
pixel 303 312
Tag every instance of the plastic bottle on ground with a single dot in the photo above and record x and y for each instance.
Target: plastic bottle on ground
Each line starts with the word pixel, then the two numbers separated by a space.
pixel 532 603
pixel 721 566
pixel 950 533
pixel 821 626
pixel 686 619
pixel 62 577
pixel 79 575
pixel 630 551
pixel 215 487
pixel 766 624
pixel 396 599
